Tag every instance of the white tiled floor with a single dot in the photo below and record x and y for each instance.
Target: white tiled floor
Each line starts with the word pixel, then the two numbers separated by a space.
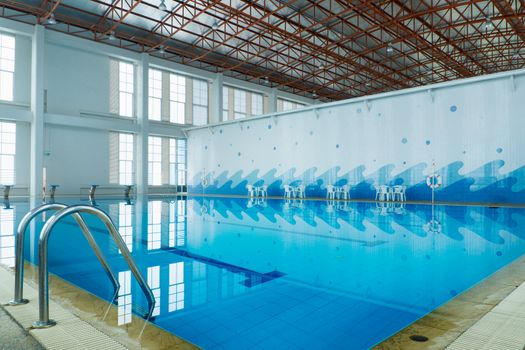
pixel 501 328
pixel 69 333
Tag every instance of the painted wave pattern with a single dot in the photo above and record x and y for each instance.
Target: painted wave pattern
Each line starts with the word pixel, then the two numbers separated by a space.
pixel 484 184
pixel 420 220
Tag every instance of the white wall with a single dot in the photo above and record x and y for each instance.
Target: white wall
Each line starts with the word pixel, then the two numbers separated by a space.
pixel 467 132
pixel 79 152
pixel 76 80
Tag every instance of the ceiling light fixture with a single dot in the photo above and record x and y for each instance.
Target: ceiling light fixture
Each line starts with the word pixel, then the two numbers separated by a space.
pixel 266 80
pixel 51 20
pixel 162 6
pixel 389 48
pixel 314 95
pixel 162 50
pixel 488 25
pixel 215 26
pixel 111 36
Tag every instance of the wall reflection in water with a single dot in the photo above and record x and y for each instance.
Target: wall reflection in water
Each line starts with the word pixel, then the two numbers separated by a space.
pixel 7 235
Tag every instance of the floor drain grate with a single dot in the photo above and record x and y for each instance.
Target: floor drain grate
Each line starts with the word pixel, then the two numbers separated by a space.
pixel 418 338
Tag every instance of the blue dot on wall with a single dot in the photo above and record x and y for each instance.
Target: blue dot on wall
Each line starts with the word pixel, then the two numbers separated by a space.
pixel 218 165
pixel 311 132
pixel 404 140
pixel 220 131
pixel 296 143
pixel 205 147
pixel 337 146
pixel 404 163
pixel 248 127
pixel 464 152
pixel 260 139
pixel 269 126
pixel 274 148
pixel 359 110
pixel 499 150
pixel 427 142
pixel 453 108
pixel 239 154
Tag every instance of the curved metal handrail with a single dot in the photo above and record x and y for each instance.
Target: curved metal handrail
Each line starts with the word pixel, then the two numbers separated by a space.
pixel 19 255
pixel 43 287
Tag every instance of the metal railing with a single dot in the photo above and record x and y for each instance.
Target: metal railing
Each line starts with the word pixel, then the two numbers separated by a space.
pixel 43 287
pixel 19 255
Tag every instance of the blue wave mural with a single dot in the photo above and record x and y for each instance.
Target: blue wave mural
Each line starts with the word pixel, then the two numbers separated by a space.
pixel 482 185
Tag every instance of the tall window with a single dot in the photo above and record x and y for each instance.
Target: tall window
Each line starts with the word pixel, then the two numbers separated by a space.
pixel 257 104
pixel 126 89
pixel 7 153
pixel 239 104
pixel 154 94
pixel 200 102
pixel 225 102
pixel 177 98
pixel 173 161
pixel 155 161
pixel 181 162
pixel 125 151
pixel 7 66
pixel 287 105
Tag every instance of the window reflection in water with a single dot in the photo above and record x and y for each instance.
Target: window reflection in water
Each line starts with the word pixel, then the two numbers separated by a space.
pixel 125 224
pixel 177 224
pixel 176 287
pixel 154 224
pixel 124 298
pixel 154 284
pixel 199 283
pixel 7 236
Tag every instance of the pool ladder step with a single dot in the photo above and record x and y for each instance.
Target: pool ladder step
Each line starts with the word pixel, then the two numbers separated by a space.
pixel 43 287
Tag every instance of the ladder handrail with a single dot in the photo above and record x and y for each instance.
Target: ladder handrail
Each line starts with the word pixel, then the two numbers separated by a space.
pixel 19 255
pixel 43 287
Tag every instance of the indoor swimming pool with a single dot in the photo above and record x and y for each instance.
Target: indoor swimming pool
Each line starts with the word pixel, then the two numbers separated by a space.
pixel 232 273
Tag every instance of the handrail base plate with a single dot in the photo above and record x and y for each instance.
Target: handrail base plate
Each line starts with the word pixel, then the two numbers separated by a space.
pixel 17 302
pixel 41 324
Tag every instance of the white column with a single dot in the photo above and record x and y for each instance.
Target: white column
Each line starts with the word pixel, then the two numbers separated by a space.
pixel 272 101
pixel 216 99
pixel 37 108
pixel 142 118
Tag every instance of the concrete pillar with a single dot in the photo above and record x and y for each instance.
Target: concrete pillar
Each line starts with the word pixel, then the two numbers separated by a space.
pixel 272 101
pixel 142 119
pixel 37 108
pixel 216 99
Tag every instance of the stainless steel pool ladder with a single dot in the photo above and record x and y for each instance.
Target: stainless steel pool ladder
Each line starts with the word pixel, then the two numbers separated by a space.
pixel 43 287
pixel 19 255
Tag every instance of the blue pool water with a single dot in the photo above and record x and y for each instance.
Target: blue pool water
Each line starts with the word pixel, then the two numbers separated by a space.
pixel 238 274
